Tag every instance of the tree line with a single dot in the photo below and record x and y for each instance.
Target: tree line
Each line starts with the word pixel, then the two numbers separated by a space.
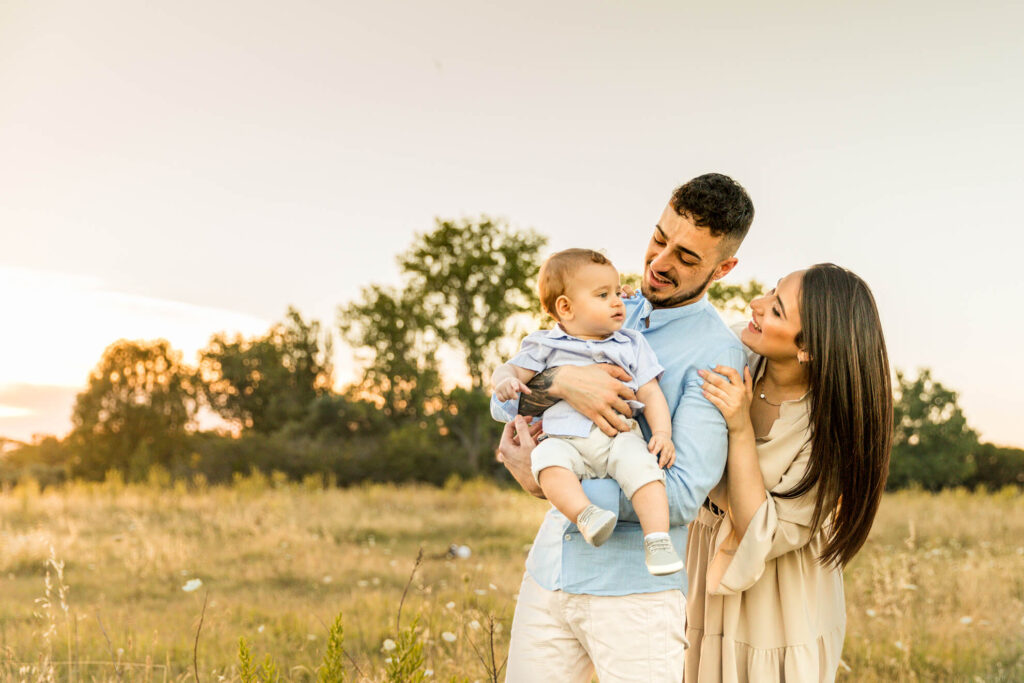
pixel 468 287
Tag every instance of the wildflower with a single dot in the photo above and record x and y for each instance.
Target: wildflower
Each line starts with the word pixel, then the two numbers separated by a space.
pixel 393 563
pixel 311 636
pixel 450 605
pixel 387 660
pixel 475 625
pixel 480 591
pixel 327 579
pixel 389 645
pixel 362 583
pixel 261 628
pixel 871 612
pixel 448 637
pixel 492 586
pixel 463 552
pixel 966 620
pixel 192 585
pixel 428 672
pixel 898 644
pixel 375 581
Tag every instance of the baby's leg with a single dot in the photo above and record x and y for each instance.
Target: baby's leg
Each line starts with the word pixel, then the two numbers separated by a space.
pixel 558 466
pixel 651 504
pixel 636 469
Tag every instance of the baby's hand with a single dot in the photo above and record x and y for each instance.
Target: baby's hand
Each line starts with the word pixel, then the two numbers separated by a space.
pixel 509 389
pixel 661 443
pixel 627 292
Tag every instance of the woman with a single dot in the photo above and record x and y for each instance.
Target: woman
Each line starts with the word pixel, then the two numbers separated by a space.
pixel 810 429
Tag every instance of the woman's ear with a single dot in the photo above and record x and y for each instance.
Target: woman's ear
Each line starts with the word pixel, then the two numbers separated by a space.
pixel 803 357
pixel 563 306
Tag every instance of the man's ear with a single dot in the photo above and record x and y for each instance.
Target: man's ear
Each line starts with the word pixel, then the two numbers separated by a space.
pixel 725 267
pixel 563 306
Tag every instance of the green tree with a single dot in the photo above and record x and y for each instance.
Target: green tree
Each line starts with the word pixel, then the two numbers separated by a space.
pixel 471 279
pixel 136 411
pixel 726 297
pixel 266 382
pixel 390 335
pixel 932 444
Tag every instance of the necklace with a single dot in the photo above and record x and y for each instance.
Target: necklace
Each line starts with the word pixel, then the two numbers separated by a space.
pixel 765 398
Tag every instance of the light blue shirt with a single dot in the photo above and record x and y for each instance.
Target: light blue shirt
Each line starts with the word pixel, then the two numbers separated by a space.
pixel 555 347
pixel 685 339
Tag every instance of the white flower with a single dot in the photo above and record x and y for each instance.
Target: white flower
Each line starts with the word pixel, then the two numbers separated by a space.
pixel 448 637
pixel 387 660
pixel 362 583
pixel 311 636
pixel 327 579
pixel 871 612
pixel 463 552
pixel 966 620
pixel 192 585
pixel 389 645
pixel 261 628
pixel 375 581
pixel 492 586
pixel 475 625
pixel 393 563
pixel 480 591
pixel 450 605
pixel 120 652
pixel 428 672
pixel 898 644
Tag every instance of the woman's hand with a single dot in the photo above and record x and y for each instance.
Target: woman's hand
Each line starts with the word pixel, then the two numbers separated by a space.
pixel 730 394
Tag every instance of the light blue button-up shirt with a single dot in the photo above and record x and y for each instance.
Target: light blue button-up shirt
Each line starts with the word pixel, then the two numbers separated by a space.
pixel 555 347
pixel 685 339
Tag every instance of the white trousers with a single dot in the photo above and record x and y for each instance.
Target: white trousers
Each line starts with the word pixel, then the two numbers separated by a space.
pixel 623 457
pixel 566 638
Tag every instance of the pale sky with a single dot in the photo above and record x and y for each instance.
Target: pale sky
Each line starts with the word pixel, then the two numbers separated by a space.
pixel 177 169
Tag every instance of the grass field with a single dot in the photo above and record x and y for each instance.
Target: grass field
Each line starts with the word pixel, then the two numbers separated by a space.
pixel 937 593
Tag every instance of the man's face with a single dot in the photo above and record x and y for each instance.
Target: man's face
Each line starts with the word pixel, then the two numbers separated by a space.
pixel 682 259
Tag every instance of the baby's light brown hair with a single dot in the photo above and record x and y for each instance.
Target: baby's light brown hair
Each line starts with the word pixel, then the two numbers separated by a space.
pixel 558 271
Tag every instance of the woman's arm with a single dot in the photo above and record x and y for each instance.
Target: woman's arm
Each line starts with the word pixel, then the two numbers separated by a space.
pixel 745 483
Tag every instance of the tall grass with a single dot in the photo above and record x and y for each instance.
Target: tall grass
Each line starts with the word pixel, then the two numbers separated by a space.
pixel 937 593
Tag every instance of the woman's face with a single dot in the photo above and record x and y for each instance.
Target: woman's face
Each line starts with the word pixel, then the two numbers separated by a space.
pixel 775 321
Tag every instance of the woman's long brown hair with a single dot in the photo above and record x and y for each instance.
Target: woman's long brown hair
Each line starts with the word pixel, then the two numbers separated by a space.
pixel 851 407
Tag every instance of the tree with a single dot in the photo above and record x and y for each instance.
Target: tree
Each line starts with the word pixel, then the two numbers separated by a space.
pixel 471 279
pixel 389 332
pixel 932 444
pixel 136 411
pixel 266 382
pixel 736 298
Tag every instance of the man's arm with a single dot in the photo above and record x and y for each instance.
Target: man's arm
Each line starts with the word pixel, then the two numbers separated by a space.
pixel 597 391
pixel 701 439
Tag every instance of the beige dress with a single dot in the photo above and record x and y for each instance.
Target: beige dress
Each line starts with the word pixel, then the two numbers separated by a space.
pixel 765 609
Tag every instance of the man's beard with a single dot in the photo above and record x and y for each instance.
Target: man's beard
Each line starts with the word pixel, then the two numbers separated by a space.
pixel 675 299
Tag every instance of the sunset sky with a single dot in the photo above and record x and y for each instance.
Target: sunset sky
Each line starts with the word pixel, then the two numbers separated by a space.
pixel 177 169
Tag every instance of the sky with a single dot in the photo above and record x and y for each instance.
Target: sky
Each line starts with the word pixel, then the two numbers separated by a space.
pixel 179 169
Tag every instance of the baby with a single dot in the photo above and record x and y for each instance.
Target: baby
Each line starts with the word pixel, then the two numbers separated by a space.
pixel 580 289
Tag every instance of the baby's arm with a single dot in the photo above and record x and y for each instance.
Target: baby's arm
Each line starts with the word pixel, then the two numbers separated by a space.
pixel 660 420
pixel 509 380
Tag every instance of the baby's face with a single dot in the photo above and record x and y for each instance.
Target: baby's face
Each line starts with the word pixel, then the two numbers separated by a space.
pixel 597 308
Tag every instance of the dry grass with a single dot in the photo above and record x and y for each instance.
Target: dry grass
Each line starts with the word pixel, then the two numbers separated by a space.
pixel 937 594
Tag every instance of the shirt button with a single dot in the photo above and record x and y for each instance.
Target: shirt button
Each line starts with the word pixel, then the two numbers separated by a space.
pixel 568 537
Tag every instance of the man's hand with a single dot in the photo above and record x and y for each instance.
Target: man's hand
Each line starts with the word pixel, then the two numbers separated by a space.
pixel 598 392
pixel 518 440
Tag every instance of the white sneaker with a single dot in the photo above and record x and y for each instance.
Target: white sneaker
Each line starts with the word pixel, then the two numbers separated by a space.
pixel 661 557
pixel 596 524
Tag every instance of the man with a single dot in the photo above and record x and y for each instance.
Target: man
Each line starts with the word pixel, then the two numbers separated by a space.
pixel 581 608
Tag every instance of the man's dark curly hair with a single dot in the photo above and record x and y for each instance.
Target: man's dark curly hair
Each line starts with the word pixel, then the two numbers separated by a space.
pixel 716 202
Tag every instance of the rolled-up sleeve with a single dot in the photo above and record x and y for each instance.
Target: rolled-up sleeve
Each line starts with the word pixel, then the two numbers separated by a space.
pixel 701 440
pixel 780 526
